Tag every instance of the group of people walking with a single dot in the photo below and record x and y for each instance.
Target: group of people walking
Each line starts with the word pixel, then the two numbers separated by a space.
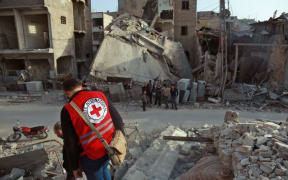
pixel 156 94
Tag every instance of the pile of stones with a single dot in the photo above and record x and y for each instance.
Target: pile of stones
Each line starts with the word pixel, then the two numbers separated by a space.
pixel 251 150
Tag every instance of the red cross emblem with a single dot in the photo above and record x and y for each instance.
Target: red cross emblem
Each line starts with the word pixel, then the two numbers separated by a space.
pixel 95 110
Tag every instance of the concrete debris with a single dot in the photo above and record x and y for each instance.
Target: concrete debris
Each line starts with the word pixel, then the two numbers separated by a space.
pixel 252 149
pixel 145 54
pixel 22 155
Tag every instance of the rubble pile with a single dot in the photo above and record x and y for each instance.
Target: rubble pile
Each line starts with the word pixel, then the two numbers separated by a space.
pixel 22 155
pixel 145 54
pixel 252 150
pixel 151 157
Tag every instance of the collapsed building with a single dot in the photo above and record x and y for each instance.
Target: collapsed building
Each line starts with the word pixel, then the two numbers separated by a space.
pixel 256 55
pixel 174 19
pixel 131 49
pixel 45 39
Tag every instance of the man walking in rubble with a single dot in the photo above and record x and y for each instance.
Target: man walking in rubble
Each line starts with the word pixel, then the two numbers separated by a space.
pixel 149 92
pixel 158 95
pixel 174 94
pixel 92 156
pixel 166 92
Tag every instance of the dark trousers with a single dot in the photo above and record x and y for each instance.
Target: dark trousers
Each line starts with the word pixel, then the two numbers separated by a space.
pixel 96 169
pixel 144 106
pixel 149 98
pixel 173 102
pixel 165 98
pixel 158 100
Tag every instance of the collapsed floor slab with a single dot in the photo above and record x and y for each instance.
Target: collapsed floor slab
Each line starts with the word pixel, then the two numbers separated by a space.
pixel 160 155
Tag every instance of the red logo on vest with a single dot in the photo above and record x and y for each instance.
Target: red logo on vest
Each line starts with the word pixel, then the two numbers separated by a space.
pixel 95 109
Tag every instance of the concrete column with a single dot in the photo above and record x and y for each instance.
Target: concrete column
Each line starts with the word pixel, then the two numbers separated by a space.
pixel 20 29
pixel 50 31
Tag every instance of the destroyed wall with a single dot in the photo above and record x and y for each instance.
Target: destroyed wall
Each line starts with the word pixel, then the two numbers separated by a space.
pixel 100 21
pixel 165 22
pixel 132 7
pixel 208 19
pixel 261 63
pixel 185 15
pixel 278 64
pixel 83 37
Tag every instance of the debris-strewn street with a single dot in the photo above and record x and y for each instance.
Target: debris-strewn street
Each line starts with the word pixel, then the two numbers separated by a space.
pixel 143 90
pixel 138 125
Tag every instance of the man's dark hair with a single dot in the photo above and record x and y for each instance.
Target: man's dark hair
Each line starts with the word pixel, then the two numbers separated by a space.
pixel 71 84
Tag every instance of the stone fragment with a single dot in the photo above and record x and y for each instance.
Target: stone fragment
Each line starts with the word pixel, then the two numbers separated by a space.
pixel 263 178
pixel 261 140
pixel 266 154
pixel 245 162
pixel 247 139
pixel 267 167
pixel 282 149
pixel 281 170
pixel 244 149
pixel 262 159
pixel 285 164
pixel 278 178
pixel 254 170
pixel 264 148
pixel 270 143
pixel 253 159
pixel 246 127
pixel 271 125
pixel 231 117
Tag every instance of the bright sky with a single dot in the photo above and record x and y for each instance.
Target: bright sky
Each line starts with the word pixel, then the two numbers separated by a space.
pixel 258 9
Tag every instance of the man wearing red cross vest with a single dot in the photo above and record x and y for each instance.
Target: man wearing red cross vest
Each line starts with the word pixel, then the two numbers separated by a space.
pixel 83 149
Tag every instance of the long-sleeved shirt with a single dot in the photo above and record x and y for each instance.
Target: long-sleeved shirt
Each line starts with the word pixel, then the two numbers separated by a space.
pixel 71 139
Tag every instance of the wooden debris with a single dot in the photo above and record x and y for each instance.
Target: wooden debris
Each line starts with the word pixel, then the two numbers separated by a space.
pixel 180 138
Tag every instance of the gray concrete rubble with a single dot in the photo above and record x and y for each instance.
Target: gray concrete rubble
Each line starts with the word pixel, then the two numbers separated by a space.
pixel 145 54
pixel 160 155
pixel 252 149
pixel 22 155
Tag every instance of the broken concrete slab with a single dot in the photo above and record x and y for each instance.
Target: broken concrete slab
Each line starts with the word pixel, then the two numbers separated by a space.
pixel 161 154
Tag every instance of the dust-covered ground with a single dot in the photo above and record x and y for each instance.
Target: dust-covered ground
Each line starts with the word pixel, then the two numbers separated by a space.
pixel 36 113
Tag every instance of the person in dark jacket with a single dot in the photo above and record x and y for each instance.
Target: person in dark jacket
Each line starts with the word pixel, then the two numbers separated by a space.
pixel 94 169
pixel 149 92
pixel 144 88
pixel 174 94
pixel 144 100
pixel 158 95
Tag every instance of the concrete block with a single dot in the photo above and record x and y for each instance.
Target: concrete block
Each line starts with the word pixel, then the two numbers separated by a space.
pixel 271 125
pixel 164 165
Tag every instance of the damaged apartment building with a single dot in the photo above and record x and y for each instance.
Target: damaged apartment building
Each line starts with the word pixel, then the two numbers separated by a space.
pixel 174 19
pixel 46 39
pixel 100 21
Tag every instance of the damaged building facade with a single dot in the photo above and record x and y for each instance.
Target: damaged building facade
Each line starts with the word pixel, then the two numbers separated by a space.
pixel 263 54
pixel 174 19
pixel 44 38
pixel 100 21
